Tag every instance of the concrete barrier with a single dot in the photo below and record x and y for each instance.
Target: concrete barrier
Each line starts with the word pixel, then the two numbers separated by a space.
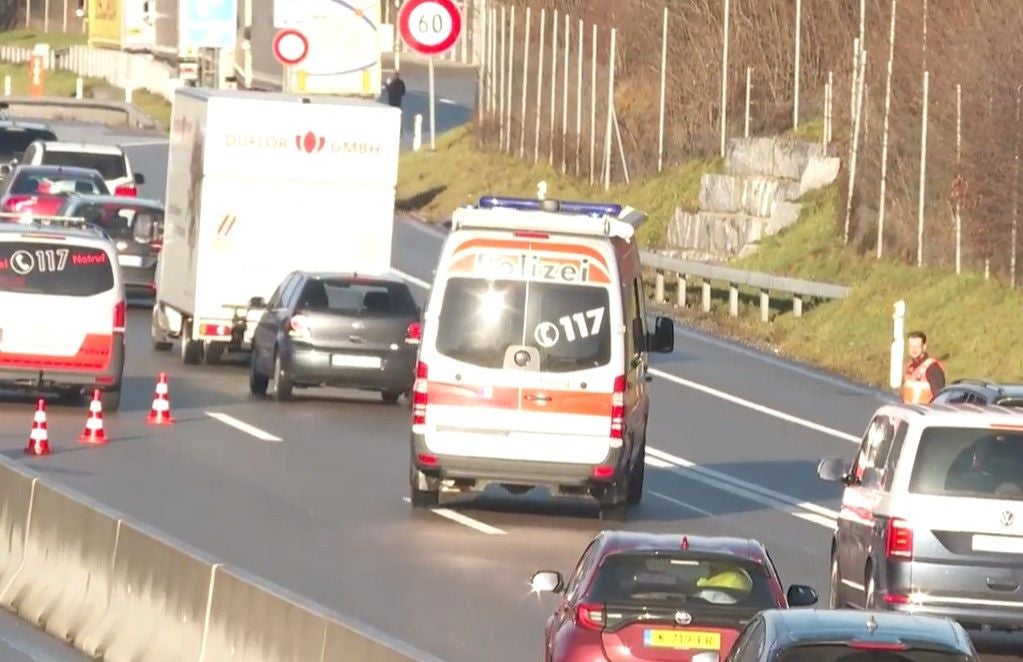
pixel 158 600
pixel 15 503
pixel 66 571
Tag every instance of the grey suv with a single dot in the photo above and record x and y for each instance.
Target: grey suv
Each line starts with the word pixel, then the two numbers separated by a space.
pixel 931 520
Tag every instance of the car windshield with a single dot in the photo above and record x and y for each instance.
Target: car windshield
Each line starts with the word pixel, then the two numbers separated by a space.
pixel 568 324
pixel 54 268
pixel 117 220
pixel 54 183
pixel 110 166
pixel 843 653
pixel 677 580
pixel 981 463
pixel 358 298
pixel 13 142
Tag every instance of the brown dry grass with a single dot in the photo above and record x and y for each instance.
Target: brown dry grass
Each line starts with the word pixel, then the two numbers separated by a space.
pixel 974 44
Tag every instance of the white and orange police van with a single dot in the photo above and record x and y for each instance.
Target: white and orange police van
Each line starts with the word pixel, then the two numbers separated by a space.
pixel 62 308
pixel 533 361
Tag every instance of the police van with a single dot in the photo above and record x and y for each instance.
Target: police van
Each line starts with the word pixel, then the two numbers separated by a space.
pixel 532 367
pixel 62 308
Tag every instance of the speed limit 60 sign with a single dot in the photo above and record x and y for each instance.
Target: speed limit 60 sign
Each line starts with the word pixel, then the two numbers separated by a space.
pixel 429 27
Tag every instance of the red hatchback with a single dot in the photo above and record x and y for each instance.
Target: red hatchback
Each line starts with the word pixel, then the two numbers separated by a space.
pixel 643 596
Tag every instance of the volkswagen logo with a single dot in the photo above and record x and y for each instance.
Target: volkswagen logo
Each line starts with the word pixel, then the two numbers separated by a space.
pixel 683 617
pixel 1008 518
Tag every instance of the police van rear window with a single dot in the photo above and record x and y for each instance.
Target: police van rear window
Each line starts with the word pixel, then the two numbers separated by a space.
pixel 54 268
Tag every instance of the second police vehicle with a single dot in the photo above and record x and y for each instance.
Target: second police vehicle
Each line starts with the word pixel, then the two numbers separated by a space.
pixel 533 364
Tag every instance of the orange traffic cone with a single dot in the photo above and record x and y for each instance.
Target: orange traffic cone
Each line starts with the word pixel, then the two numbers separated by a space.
pixel 160 412
pixel 39 438
pixel 94 433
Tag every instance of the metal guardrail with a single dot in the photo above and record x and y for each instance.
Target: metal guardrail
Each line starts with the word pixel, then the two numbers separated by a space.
pixel 766 283
pixel 22 107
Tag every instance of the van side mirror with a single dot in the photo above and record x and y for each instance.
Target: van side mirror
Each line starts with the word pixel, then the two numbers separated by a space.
pixel 257 302
pixel 140 178
pixel 833 470
pixel 662 340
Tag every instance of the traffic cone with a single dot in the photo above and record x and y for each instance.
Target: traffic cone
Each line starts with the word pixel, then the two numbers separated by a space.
pixel 94 433
pixel 160 412
pixel 39 438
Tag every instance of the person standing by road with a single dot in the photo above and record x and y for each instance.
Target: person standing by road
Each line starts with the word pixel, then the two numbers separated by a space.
pixel 395 89
pixel 925 375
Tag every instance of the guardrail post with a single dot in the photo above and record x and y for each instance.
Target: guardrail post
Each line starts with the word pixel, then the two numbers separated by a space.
pixel 733 299
pixel 128 93
pixel 7 85
pixel 706 296
pixel 659 287
pixel 79 88
pixel 681 292
pixel 417 133
pixel 797 305
pixel 765 306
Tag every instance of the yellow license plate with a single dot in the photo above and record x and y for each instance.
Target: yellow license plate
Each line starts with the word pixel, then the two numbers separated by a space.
pixel 682 639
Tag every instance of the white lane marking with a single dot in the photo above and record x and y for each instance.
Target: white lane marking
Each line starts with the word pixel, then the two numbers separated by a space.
pixel 782 363
pixel 810 512
pixel 243 426
pixel 687 506
pixel 462 519
pixel 412 279
pixel 754 406
pixel 654 462
pixel 449 102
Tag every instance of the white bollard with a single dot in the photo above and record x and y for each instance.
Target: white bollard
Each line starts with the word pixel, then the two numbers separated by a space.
pixel 417 132
pixel 79 88
pixel 898 343
pixel 127 94
pixel 7 85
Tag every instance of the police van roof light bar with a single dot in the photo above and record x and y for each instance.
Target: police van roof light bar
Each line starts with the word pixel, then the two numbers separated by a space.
pixel 564 207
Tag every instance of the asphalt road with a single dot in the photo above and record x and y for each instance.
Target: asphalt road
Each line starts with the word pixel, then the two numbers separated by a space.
pixel 310 494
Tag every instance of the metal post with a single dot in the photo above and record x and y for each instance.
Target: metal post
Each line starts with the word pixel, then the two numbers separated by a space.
pixel 923 176
pixel 433 110
pixel 795 81
pixel 664 63
pixel 724 81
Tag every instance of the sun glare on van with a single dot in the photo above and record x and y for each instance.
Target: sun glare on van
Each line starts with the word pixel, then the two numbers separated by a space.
pixel 492 305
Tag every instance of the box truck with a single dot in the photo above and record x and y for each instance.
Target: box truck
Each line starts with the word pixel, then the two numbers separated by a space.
pixel 260 184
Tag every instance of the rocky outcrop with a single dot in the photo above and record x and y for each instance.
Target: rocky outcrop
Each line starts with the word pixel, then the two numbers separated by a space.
pixel 754 198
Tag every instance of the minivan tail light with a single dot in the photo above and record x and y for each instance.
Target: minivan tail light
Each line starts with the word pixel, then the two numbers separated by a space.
pixel 899 541
pixel 419 395
pixel 414 333
pixel 120 316
pixel 590 616
pixel 618 408
pixel 126 190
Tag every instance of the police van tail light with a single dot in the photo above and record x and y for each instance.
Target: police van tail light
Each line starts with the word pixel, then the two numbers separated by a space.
pixel 120 315
pixel 899 539
pixel 419 395
pixel 618 408
pixel 299 328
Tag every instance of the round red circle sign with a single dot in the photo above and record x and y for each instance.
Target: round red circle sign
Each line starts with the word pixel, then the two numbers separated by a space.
pixel 429 27
pixel 290 47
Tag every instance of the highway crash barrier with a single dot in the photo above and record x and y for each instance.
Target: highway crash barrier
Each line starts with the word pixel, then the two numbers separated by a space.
pixel 121 591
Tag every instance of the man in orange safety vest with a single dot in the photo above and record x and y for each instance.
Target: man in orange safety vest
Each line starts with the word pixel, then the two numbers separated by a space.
pixel 925 376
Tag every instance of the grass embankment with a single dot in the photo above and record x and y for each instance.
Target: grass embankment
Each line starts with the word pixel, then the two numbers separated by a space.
pixel 973 324
pixel 61 83
pixel 25 38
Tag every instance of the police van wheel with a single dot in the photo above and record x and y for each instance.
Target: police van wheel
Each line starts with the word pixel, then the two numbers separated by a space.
pixel 636 475
pixel 111 400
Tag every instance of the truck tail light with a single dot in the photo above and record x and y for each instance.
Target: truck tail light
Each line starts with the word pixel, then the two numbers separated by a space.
pixel 618 408
pixel 899 539
pixel 420 395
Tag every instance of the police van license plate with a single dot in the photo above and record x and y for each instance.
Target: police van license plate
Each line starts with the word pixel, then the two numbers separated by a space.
pixel 354 361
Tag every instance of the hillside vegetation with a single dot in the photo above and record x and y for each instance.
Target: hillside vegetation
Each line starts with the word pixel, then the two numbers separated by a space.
pixel 972 321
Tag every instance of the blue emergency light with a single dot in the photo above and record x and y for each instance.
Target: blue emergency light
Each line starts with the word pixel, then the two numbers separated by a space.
pixel 599 209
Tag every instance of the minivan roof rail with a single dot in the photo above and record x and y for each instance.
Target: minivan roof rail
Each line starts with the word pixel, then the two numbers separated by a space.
pixel 563 217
